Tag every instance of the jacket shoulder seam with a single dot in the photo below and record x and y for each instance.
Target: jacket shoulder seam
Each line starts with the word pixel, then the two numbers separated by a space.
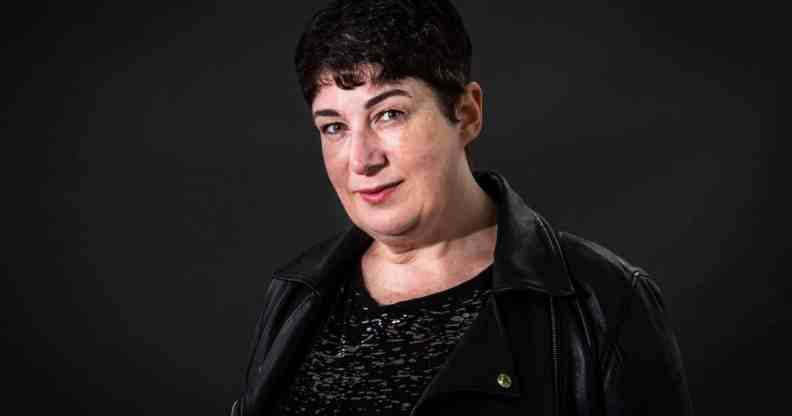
pixel 626 271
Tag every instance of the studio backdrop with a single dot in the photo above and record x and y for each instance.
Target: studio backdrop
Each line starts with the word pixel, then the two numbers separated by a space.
pixel 172 165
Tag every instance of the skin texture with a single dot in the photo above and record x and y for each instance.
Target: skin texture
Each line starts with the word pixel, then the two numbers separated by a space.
pixel 437 227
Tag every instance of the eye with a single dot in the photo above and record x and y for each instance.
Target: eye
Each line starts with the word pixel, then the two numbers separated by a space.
pixel 390 115
pixel 331 129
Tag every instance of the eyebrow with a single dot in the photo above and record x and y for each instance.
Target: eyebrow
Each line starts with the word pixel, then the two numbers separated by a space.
pixel 370 103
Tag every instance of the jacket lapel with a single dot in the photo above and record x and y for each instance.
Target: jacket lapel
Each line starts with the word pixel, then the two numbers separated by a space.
pixel 525 257
pixel 527 260
pixel 481 362
pixel 283 350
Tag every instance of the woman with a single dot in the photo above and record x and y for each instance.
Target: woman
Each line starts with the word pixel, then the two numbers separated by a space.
pixel 448 293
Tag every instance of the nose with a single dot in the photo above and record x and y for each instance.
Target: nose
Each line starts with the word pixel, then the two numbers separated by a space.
pixel 366 154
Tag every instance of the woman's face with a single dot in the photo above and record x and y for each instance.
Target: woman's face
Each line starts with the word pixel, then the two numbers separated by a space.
pixel 392 156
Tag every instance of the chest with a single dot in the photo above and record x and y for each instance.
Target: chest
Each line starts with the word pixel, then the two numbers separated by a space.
pixel 368 360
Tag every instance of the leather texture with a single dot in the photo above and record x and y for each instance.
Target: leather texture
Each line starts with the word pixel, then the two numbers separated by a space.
pixel 577 329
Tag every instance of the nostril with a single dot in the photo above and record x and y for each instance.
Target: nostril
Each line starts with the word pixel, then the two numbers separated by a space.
pixel 370 165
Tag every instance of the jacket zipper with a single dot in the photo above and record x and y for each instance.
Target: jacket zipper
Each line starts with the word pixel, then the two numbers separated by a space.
pixel 557 247
pixel 554 327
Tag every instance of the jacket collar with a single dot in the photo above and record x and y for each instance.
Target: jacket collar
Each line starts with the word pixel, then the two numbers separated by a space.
pixel 525 256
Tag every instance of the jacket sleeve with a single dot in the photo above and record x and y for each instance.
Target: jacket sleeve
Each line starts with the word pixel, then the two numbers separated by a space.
pixel 643 372
pixel 238 406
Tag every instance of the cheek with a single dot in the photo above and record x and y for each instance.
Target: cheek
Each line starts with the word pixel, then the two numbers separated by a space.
pixel 427 171
pixel 334 167
pixel 427 150
pixel 419 146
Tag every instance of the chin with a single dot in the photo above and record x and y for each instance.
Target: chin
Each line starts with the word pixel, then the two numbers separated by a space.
pixel 387 224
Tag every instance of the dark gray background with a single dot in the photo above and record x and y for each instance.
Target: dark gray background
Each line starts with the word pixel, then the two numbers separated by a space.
pixel 172 166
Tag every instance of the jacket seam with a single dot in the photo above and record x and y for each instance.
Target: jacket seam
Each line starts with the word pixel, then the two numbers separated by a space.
pixel 612 350
pixel 555 246
pixel 252 358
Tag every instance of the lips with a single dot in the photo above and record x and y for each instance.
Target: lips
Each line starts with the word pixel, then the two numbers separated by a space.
pixel 378 194
pixel 376 189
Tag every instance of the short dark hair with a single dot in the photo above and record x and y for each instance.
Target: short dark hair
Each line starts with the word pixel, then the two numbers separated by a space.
pixel 424 39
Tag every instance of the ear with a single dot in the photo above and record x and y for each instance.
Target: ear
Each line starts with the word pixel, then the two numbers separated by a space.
pixel 470 112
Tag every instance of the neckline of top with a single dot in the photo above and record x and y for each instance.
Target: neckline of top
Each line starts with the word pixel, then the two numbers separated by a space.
pixel 461 292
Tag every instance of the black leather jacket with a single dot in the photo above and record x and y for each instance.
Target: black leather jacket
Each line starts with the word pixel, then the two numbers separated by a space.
pixel 569 329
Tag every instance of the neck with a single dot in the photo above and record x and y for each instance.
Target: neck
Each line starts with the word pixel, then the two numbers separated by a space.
pixel 458 236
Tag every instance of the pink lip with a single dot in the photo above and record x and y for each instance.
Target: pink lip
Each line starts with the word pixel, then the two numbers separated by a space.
pixel 378 194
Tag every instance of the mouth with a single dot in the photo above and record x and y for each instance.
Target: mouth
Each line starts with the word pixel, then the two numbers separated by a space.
pixel 378 194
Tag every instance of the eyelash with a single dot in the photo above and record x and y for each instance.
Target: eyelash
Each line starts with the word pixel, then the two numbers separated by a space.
pixel 397 115
pixel 327 126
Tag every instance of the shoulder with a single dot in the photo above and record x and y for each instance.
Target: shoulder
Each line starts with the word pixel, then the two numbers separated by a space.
pixel 589 255
pixel 608 281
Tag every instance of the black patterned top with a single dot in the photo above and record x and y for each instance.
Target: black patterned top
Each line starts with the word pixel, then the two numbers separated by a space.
pixel 372 359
